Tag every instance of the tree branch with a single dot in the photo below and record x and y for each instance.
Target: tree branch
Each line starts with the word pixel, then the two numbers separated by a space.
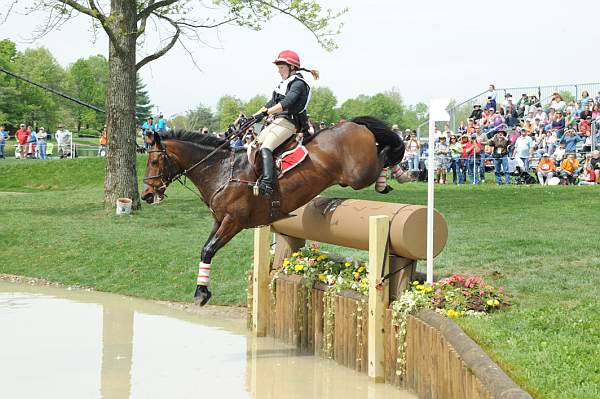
pixel 142 27
pixel 163 50
pixel 84 10
pixel 152 6
pixel 190 25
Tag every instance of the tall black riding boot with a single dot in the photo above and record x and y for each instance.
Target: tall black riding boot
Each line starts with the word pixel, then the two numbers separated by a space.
pixel 267 183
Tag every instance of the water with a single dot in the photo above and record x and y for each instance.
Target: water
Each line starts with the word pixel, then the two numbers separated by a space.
pixel 56 343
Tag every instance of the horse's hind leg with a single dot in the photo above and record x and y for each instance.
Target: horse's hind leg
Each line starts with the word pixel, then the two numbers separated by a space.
pixel 219 236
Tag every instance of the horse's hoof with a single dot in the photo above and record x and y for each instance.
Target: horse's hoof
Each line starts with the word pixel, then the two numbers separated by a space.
pixel 202 295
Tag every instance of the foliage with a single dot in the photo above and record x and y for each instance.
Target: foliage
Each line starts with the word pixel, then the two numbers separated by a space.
pixel 254 104
pixel 316 265
pixel 228 110
pixel 143 104
pixel 87 81
pixel 322 105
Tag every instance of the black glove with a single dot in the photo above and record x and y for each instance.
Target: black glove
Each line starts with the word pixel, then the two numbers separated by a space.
pixel 261 116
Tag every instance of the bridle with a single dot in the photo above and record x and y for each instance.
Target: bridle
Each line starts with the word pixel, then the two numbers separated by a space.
pixel 161 171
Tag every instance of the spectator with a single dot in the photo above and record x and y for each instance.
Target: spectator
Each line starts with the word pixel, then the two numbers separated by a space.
pixel 571 139
pixel 42 136
pixel 569 169
pixel 441 152
pixel 499 144
pixel 588 176
pixel 463 162
pixel 236 143
pixel 248 139
pixel 241 120
pixel 22 136
pixel 461 129
pixel 477 113
pixel 585 99
pixel 3 138
pixel 472 151
pixel 322 125
pixel 559 154
pixel 161 125
pixel 103 142
pixel 31 143
pixel 596 112
pixel 63 139
pixel 558 124
pixel 523 105
pixel 595 162
pixel 148 129
pixel 413 151
pixel 545 169
pixel 491 98
pixel 455 148
pixel 557 103
pixel 524 149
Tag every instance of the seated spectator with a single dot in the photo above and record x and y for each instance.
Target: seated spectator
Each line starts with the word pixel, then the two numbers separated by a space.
pixel 587 112
pixel 476 113
pixel 545 169
pixel 596 112
pixel 491 98
pixel 569 169
pixel 585 99
pixel 557 103
pixel 571 139
pixel 522 105
pixel 595 162
pixel 559 154
pixel 570 120
pixel 588 176
pixel 558 124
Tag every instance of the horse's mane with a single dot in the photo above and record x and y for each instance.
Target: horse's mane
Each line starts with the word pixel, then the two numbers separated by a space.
pixel 193 137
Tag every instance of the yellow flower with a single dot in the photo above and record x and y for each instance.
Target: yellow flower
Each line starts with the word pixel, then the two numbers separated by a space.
pixel 322 277
pixel 286 262
pixel 347 264
pixel 295 254
pixel 415 283
pixel 299 268
pixel 361 269
pixel 321 257
pixel 490 302
pixel 427 289
pixel 496 302
pixel 452 313
pixel 356 274
pixel 419 287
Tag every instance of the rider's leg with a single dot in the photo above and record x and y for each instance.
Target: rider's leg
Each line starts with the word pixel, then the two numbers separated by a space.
pixel 270 138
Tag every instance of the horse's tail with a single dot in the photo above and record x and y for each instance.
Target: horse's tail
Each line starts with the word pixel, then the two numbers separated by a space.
pixel 386 138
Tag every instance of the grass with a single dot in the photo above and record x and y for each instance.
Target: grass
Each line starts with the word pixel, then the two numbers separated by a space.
pixel 539 242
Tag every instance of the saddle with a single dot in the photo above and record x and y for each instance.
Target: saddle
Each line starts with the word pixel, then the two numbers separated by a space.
pixel 287 156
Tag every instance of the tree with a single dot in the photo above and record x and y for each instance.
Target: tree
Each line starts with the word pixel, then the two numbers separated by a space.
pixel 228 110
pixel 87 81
pixel 125 23
pixel 197 119
pixel 254 104
pixel 322 105
pixel 143 106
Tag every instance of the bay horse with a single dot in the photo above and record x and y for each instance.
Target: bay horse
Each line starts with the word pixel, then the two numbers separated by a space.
pixel 351 153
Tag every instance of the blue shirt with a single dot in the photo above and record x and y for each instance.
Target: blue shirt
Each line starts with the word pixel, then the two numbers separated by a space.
pixel 571 142
pixel 3 136
pixel 161 125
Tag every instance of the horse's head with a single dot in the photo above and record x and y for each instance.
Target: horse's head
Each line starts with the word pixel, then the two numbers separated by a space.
pixel 161 170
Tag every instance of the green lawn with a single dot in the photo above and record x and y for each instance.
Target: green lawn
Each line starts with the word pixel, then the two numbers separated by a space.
pixel 539 242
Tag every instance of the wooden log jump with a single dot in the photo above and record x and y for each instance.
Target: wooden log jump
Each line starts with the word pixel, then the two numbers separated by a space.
pixel 359 224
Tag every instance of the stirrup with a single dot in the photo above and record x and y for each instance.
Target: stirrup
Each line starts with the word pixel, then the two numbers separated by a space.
pixel 262 189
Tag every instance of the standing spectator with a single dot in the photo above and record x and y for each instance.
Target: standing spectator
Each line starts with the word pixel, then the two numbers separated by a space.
pixel 472 150
pixel 63 139
pixel 31 143
pixel 585 99
pixel 491 98
pixel 441 153
pixel 102 148
pixel 161 125
pixel 455 151
pixel 569 169
pixel 545 169
pixel 413 151
pixel 22 136
pixel 461 129
pixel 523 105
pixel 524 149
pixel 571 139
pixel 463 162
pixel 3 138
pixel 148 129
pixel 41 143
pixel 499 144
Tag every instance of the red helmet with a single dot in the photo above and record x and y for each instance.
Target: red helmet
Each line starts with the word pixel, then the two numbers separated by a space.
pixel 288 57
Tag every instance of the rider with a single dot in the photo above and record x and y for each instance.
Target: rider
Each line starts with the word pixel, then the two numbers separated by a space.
pixel 288 108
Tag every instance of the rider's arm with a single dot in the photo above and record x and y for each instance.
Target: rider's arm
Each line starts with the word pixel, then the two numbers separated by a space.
pixel 295 94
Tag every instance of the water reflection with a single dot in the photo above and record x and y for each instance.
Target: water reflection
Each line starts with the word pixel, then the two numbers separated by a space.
pixel 71 344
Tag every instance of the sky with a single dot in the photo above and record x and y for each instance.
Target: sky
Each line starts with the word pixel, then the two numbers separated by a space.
pixel 423 49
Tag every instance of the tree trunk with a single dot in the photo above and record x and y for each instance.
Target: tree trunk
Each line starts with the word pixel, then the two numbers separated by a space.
pixel 121 178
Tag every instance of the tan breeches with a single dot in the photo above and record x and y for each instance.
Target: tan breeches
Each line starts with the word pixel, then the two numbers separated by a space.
pixel 276 133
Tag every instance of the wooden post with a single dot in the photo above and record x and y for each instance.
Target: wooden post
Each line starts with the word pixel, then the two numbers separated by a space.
pixel 378 298
pixel 284 247
pixel 260 288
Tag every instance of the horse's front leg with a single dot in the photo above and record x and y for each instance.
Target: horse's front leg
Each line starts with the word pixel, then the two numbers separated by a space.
pixel 220 235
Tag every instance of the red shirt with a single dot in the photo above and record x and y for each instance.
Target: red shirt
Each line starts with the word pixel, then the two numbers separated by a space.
pixel 469 148
pixel 22 136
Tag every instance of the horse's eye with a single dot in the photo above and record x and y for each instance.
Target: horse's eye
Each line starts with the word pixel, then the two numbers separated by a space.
pixel 154 162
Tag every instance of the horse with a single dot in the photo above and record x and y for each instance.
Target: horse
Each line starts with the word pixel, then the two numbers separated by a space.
pixel 351 153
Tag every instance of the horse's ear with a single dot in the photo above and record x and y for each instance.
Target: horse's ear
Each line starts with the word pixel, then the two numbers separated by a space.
pixel 157 138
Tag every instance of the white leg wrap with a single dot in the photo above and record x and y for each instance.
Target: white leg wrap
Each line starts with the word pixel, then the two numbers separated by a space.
pixel 203 273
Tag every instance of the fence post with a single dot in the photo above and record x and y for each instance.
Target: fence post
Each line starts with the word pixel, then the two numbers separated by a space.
pixel 378 298
pixel 260 287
